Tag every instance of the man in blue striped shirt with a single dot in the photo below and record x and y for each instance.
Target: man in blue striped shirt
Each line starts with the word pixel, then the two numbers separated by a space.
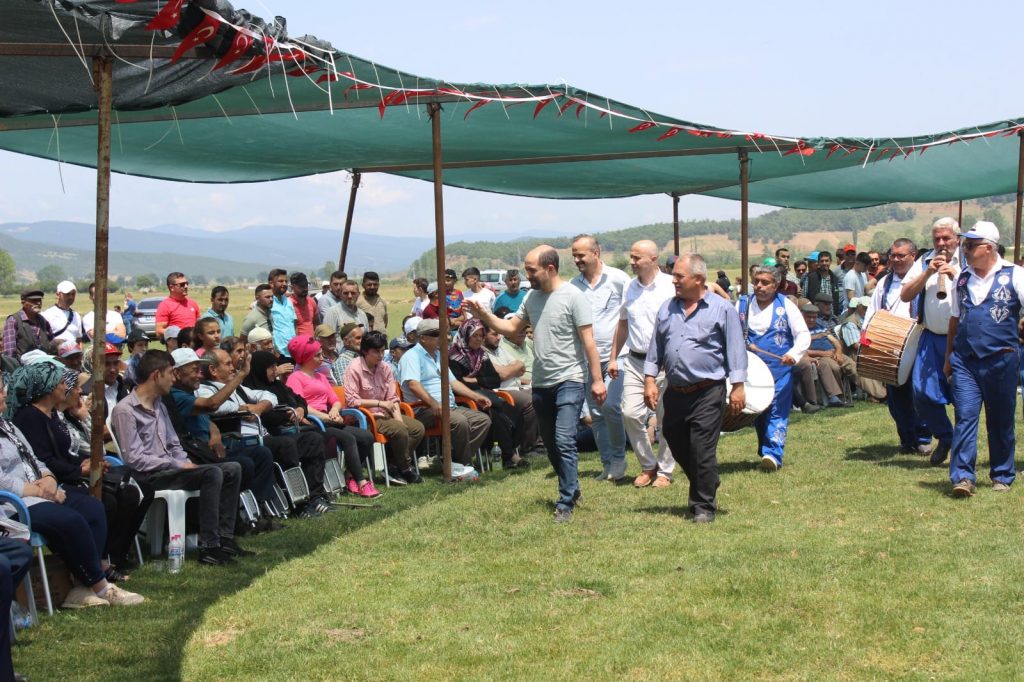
pixel 698 341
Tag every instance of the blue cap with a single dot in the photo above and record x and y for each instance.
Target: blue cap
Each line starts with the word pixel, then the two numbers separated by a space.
pixel 114 339
pixel 813 255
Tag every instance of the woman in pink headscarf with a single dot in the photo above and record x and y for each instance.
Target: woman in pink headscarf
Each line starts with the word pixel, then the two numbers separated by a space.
pixel 324 404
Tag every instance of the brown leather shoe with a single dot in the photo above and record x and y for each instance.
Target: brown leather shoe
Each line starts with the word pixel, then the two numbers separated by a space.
pixel 645 478
pixel 662 482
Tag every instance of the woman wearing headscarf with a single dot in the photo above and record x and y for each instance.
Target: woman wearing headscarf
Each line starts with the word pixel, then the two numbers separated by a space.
pixel 470 365
pixel 125 504
pixel 71 521
pixel 322 402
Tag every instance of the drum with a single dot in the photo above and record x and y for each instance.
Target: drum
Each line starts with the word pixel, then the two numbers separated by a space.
pixel 888 346
pixel 759 389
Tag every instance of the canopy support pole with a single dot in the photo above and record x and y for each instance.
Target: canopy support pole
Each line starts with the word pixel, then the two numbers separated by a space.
pixel 103 78
pixel 675 222
pixel 356 177
pixel 960 214
pixel 1020 200
pixel 744 223
pixel 434 110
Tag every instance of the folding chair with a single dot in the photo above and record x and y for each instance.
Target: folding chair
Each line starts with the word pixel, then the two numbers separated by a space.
pixel 294 484
pixel 37 543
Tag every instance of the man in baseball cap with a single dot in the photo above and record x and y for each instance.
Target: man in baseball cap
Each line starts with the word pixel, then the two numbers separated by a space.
pixel 27 329
pixel 65 322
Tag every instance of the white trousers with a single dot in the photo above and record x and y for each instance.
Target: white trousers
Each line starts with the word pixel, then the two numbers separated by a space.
pixel 634 417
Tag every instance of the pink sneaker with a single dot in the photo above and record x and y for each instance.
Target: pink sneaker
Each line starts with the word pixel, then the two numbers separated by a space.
pixel 351 485
pixel 367 490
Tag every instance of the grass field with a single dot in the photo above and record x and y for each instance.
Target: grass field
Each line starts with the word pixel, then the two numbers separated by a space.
pixel 852 562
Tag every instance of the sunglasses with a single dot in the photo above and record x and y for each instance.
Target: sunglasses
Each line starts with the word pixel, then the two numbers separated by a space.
pixel 180 284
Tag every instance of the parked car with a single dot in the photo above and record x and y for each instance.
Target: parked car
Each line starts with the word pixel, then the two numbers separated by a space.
pixel 145 315
pixel 495 279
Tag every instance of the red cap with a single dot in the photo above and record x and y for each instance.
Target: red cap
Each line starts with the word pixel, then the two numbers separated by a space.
pixel 849 247
pixel 111 349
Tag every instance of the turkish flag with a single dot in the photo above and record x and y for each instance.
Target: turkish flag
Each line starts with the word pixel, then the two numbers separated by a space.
pixel 167 18
pixel 203 33
pixel 643 126
pixel 672 132
pixel 476 106
pixel 254 64
pixel 240 44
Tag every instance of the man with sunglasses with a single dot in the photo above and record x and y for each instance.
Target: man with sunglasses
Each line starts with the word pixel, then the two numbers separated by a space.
pixel 177 310
pixel 915 438
pixel 982 359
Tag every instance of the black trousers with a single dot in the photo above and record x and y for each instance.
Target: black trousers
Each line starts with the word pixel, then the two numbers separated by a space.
pixel 15 559
pixel 692 425
pixel 305 450
pixel 218 486
pixel 257 464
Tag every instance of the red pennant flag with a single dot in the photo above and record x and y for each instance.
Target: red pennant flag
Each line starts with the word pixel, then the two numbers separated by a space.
pixel 167 18
pixel 475 107
pixel 391 99
pixel 254 64
pixel 832 150
pixel 303 71
pixel 564 107
pixel 541 104
pixel 672 132
pixel 723 135
pixel 356 86
pixel 203 33
pixel 646 125
pixel 240 44
pixel 579 108
pixel 327 77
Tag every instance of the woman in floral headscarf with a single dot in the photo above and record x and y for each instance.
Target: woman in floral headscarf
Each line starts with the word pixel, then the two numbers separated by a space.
pixel 470 365
pixel 71 521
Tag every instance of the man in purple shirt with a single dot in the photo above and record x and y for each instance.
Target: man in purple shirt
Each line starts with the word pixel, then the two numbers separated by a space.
pixel 152 451
pixel 698 341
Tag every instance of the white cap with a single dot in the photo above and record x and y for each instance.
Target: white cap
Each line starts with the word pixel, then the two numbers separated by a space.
pixel 258 334
pixel 186 356
pixel 66 287
pixel 862 300
pixel 411 324
pixel 983 230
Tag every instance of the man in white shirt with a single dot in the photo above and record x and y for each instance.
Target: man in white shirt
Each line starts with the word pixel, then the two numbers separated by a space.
pixel 777 333
pixel 856 278
pixel 603 286
pixel 644 296
pixel 914 435
pixel 65 322
pixel 115 324
pixel 982 359
pixel 929 282
pixel 477 290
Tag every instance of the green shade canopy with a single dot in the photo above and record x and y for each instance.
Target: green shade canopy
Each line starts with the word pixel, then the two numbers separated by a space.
pixel 300 107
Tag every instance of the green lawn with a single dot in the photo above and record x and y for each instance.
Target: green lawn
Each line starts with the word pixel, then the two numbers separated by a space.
pixel 851 562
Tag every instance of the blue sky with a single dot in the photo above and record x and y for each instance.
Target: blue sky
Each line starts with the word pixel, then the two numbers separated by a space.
pixel 790 68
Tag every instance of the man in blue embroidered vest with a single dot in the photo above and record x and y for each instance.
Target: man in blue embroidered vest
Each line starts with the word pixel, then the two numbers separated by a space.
pixel 982 359
pixel 777 333
pixel 929 281
pixel 914 435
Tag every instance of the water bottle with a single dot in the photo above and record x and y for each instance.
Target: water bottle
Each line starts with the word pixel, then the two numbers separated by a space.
pixel 175 554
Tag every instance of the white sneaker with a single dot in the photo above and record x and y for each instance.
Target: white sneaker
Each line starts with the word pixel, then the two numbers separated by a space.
pixel 117 596
pixel 83 598
pixel 768 463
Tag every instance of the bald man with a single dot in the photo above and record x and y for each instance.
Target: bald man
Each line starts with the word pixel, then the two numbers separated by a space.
pixel 645 295
pixel 564 354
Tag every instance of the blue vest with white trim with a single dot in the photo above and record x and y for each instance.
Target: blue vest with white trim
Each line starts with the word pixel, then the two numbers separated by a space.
pixel 777 339
pixel 989 327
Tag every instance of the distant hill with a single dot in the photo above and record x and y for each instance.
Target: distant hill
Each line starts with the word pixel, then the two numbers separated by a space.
pixel 237 253
pixel 800 230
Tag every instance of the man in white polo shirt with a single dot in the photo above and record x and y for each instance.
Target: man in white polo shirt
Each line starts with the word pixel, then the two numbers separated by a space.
pixel 65 322
pixel 645 295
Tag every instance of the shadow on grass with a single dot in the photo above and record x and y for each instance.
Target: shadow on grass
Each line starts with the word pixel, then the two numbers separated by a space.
pixel 148 641
pixel 739 467
pixel 941 488
pixel 887 456
pixel 679 511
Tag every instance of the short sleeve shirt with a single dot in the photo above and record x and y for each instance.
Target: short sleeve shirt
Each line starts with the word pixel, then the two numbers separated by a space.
pixel 556 318
pixel 180 314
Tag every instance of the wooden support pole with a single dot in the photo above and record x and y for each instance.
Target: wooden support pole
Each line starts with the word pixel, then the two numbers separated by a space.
pixel 102 69
pixel 1020 200
pixel 356 177
pixel 434 110
pixel 960 214
pixel 744 223
pixel 675 222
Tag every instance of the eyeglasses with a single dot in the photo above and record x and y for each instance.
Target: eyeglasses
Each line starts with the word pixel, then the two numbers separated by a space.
pixel 970 246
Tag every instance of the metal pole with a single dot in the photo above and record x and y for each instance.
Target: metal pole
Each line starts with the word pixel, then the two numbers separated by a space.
pixel 356 177
pixel 1020 200
pixel 675 221
pixel 744 224
pixel 960 214
pixel 434 110
pixel 103 78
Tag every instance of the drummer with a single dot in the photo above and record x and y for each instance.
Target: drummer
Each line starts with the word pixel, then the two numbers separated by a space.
pixel 777 333
pixel 981 358
pixel 913 434
pixel 931 279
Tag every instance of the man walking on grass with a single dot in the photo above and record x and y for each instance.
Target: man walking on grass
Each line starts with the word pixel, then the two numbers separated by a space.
pixel 562 334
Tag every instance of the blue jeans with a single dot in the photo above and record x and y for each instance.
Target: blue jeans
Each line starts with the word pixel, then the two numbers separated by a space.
pixel 608 427
pixel 558 412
